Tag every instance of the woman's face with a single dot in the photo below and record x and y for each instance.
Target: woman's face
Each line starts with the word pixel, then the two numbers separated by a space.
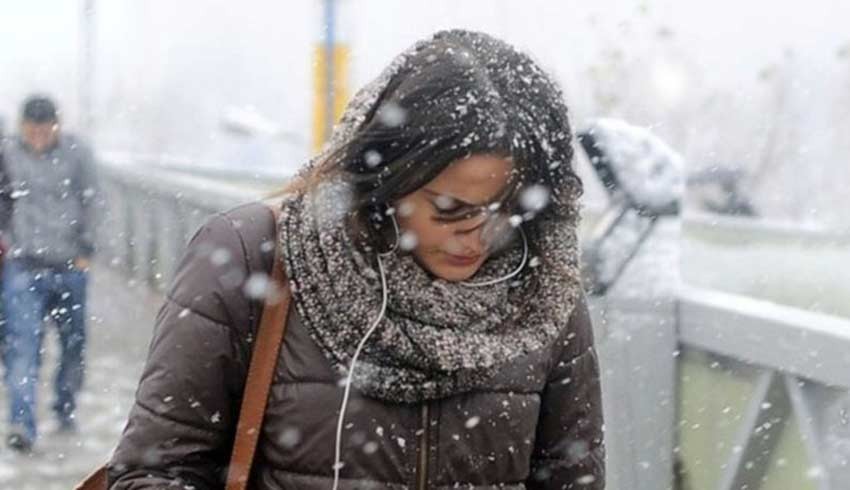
pixel 442 222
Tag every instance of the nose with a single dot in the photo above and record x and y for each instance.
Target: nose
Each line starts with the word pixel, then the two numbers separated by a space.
pixel 470 237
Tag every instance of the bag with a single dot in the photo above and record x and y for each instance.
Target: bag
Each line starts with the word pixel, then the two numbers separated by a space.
pixel 257 385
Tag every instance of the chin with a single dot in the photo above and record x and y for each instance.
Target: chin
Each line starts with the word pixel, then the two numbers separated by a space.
pixel 453 273
pixel 447 271
pixel 453 276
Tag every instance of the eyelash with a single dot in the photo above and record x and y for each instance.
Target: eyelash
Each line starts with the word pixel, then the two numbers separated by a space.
pixel 454 215
pixel 450 210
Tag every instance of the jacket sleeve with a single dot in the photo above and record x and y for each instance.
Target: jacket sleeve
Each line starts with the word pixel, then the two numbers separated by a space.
pixel 91 200
pixel 5 194
pixel 569 452
pixel 180 429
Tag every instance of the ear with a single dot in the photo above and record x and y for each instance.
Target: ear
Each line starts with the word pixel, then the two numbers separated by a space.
pixel 376 215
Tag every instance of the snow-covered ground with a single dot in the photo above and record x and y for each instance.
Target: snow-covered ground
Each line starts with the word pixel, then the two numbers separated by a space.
pixel 119 329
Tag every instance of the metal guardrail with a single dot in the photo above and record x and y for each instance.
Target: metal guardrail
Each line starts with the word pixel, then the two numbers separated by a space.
pixel 256 176
pixel 735 228
pixel 780 382
pixel 797 342
pixel 761 230
pixel 149 217
pixel 738 391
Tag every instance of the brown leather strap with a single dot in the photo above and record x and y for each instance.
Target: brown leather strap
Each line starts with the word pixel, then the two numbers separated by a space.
pixel 95 481
pixel 257 384
pixel 260 374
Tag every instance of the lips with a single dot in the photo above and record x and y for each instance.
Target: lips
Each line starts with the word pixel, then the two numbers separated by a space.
pixel 462 260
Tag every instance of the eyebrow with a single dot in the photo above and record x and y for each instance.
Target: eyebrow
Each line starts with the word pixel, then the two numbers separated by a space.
pixel 499 196
pixel 461 201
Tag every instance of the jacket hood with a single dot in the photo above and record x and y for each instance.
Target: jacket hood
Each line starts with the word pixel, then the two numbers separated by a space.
pixel 532 102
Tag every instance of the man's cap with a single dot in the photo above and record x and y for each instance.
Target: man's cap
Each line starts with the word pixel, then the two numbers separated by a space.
pixel 39 109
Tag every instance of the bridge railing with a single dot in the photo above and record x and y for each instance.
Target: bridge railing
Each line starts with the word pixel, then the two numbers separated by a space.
pixel 751 394
pixel 150 216
pixel 764 394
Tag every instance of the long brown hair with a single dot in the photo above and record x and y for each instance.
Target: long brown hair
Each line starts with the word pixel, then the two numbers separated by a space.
pixel 458 94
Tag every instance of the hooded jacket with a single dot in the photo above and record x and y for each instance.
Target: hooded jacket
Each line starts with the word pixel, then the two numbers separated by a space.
pixel 538 425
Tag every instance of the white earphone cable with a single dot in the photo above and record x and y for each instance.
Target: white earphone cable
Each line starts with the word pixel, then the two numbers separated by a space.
pixel 509 276
pixel 347 392
pixel 348 379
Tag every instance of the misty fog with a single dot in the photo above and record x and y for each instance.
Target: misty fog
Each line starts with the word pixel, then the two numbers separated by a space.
pixel 757 87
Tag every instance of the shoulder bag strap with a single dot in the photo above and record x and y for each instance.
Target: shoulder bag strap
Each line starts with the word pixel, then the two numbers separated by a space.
pixel 260 373
pixel 257 384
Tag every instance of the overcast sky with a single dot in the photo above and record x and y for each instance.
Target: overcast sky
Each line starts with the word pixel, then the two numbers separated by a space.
pixel 728 38
pixel 167 70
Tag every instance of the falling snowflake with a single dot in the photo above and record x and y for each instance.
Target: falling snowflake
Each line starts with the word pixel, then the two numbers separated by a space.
pixel 408 241
pixel 370 447
pixel 585 479
pixel 534 198
pixel 290 437
pixel 373 158
pixel 220 256
pixel 391 114
pixel 257 286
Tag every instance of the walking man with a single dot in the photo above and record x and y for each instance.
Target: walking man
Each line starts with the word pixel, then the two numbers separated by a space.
pixel 47 200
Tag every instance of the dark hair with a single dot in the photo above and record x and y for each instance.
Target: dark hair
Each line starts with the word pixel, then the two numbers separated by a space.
pixel 459 94
pixel 39 109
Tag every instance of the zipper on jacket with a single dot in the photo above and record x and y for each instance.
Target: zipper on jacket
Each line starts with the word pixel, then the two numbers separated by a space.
pixel 422 464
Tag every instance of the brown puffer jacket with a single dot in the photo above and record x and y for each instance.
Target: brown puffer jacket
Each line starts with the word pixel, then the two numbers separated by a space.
pixel 538 426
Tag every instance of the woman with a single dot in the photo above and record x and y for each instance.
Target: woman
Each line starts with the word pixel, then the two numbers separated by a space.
pixel 431 252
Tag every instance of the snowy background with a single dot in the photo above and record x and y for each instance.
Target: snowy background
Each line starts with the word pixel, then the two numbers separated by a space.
pixel 759 87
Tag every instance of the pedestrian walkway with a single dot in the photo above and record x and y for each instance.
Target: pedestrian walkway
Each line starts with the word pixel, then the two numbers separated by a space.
pixel 121 316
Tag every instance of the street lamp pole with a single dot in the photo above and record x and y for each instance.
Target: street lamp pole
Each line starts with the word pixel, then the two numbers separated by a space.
pixel 86 68
pixel 330 72
pixel 330 35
